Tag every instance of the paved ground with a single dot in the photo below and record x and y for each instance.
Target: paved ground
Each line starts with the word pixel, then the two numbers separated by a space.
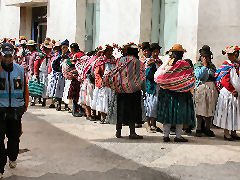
pixel 63 147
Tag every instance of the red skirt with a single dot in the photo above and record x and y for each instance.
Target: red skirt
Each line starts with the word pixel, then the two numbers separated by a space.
pixel 74 90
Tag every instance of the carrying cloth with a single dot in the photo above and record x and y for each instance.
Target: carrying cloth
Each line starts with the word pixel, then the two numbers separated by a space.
pixel 69 70
pixel 127 77
pixel 80 66
pixel 179 77
pixel 222 71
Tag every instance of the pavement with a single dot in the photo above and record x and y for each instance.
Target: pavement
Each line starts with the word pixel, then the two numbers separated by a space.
pixel 56 145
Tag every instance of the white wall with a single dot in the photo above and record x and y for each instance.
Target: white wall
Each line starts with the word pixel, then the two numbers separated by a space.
pixel 9 21
pixel 61 20
pixel 188 27
pixel 119 21
pixel 219 26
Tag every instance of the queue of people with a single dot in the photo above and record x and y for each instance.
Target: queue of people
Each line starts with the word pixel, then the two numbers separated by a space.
pixel 128 90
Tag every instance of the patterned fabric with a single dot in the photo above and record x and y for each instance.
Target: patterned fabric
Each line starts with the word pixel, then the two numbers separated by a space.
pixel 88 66
pixel 127 77
pixel 80 66
pixel 35 88
pixel 224 70
pixel 74 90
pixel 69 70
pixel 100 61
pixel 230 49
pixel 179 77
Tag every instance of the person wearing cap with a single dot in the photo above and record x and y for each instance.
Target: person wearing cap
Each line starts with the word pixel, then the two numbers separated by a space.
pixel 41 67
pixel 176 79
pixel 31 46
pixel 205 94
pixel 57 88
pixel 13 104
pixel 146 52
pixel 102 95
pixel 152 88
pixel 227 114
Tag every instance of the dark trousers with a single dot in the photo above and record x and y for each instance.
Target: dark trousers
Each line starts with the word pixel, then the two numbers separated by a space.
pixel 11 128
pixel 131 127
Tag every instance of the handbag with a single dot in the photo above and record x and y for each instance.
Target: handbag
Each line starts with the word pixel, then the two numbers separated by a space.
pixel 35 88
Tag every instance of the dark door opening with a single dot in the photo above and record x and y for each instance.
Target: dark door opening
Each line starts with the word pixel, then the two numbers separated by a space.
pixel 39 24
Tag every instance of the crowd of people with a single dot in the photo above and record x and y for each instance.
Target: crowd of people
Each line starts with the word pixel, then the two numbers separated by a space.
pixel 134 89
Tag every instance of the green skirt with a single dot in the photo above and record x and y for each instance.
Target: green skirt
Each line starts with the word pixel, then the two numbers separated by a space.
pixel 176 108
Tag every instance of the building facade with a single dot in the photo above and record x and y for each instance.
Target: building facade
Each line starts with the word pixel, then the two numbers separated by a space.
pixel 193 23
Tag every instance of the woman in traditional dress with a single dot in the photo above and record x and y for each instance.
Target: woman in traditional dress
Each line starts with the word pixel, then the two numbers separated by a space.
pixel 175 107
pixel 102 95
pixel 146 53
pixel 31 46
pixel 205 94
pixel 129 108
pixel 51 81
pixel 152 89
pixel 58 78
pixel 74 88
pixel 227 114
pixel 41 68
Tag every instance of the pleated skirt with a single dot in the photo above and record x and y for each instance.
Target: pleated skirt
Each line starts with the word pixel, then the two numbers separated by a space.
pixel 176 108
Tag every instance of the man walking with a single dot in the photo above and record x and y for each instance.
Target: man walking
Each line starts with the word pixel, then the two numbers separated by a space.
pixel 13 104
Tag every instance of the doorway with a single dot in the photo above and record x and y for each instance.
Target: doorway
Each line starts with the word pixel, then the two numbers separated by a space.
pixel 39 24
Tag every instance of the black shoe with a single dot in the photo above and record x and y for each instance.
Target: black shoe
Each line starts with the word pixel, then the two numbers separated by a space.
pixel 159 130
pixel 135 136
pixel 76 115
pixel 228 139
pixel 209 133
pixel 181 139
pixel 58 108
pixel 166 139
pixel 44 104
pixel 92 119
pixel 235 137
pixel 198 133
pixel 188 131
pixel 52 106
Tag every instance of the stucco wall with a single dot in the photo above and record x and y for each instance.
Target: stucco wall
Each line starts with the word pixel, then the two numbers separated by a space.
pixel 61 20
pixel 119 21
pixel 219 26
pixel 9 21
pixel 188 27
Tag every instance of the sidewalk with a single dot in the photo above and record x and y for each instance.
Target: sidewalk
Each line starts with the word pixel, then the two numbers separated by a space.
pixel 201 158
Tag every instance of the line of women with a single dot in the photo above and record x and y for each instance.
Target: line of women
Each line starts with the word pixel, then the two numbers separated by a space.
pixel 130 90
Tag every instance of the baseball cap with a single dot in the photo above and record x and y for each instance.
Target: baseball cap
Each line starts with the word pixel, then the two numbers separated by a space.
pixel 7 49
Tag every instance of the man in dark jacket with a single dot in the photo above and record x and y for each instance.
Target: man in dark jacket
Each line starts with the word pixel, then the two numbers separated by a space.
pixel 13 104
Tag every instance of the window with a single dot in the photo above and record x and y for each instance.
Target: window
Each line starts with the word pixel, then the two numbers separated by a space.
pixel 164 23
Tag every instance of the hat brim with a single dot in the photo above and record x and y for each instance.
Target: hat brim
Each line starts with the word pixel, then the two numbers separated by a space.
pixel 31 44
pixel 180 50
